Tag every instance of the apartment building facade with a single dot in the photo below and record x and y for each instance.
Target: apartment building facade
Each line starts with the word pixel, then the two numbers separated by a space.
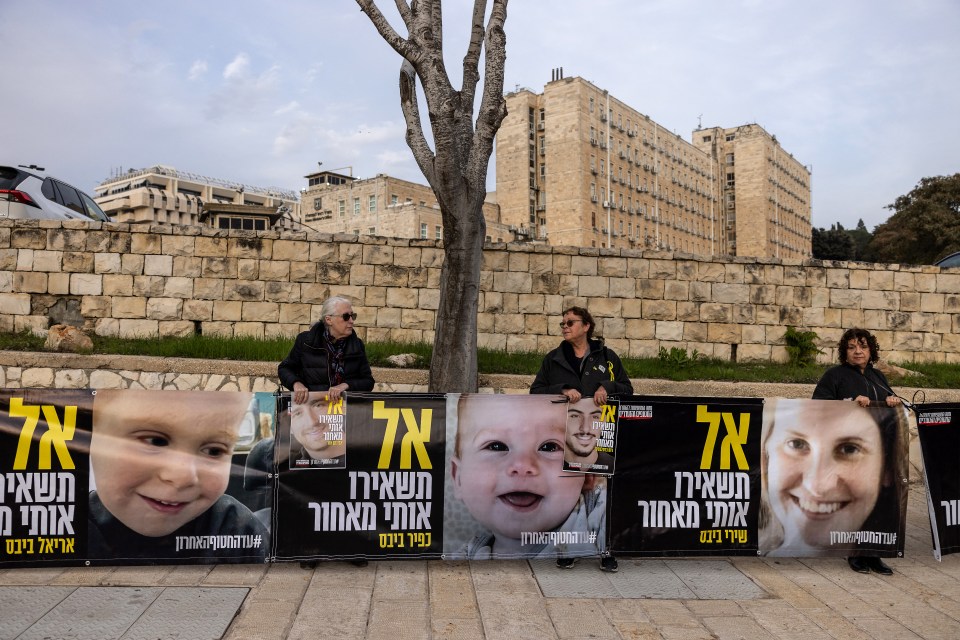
pixel 165 194
pixel 577 166
pixel 382 206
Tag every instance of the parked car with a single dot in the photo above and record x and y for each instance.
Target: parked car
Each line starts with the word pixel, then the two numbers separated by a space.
pixel 952 260
pixel 26 192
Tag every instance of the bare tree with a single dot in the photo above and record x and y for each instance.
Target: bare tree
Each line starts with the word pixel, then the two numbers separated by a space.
pixel 456 167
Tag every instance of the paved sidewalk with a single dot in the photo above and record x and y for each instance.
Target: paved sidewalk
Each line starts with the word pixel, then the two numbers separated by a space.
pixel 648 598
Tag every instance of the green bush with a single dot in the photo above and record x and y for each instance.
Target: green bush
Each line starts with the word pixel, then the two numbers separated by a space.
pixel 678 357
pixel 802 349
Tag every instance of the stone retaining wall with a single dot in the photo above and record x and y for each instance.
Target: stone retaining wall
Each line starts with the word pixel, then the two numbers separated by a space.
pixel 163 280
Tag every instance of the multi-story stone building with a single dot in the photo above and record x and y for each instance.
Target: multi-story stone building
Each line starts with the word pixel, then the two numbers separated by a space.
pixel 164 194
pixel 382 206
pixel 576 166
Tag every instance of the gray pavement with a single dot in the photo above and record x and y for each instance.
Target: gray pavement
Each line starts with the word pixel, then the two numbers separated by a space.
pixel 649 598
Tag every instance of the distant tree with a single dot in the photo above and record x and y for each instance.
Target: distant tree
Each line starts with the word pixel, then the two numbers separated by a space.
pixel 925 226
pixel 832 244
pixel 456 167
pixel 861 238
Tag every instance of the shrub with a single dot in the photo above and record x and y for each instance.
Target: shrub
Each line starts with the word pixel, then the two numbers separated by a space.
pixel 802 346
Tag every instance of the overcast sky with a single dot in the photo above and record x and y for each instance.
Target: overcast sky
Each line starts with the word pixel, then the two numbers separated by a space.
pixel 864 92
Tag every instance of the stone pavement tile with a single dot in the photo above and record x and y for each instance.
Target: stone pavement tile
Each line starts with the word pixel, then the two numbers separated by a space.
pixel 510 615
pixel 835 624
pixel 22 606
pixel 193 613
pixel 188 575
pixel 685 632
pixel 767 574
pixel 813 581
pixel 456 629
pixel 715 579
pixel 584 580
pixel 265 620
pixel 782 620
pixel 328 612
pixel 337 574
pixel 884 628
pixel 702 608
pixel 576 618
pixel 736 628
pixel 234 575
pixel 630 630
pixel 90 613
pixel 624 610
pixel 669 612
pixel 30 576
pixel 392 619
pixel 283 581
pixel 649 578
pixel 504 576
pixel 451 592
pixel 137 576
pixel 401 581
pixel 88 576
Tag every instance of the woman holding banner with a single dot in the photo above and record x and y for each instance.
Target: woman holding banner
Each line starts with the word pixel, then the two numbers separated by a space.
pixel 582 367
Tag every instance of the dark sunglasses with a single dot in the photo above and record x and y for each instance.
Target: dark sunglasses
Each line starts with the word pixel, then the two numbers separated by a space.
pixel 569 323
pixel 349 316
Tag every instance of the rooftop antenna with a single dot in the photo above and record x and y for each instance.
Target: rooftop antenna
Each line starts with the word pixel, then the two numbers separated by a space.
pixel 699 122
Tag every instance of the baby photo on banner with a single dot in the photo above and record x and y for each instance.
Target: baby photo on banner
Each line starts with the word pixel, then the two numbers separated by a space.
pixel 834 479
pixel 508 495
pixel 688 476
pixel 360 477
pixel 938 425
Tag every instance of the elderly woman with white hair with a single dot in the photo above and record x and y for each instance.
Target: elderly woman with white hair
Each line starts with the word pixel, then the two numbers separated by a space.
pixel 329 357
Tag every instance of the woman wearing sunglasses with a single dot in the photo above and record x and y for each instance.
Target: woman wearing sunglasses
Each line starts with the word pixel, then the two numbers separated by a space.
pixel 329 357
pixel 582 367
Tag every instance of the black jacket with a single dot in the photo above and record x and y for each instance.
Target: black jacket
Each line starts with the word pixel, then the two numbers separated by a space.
pixel 307 363
pixel 845 382
pixel 600 366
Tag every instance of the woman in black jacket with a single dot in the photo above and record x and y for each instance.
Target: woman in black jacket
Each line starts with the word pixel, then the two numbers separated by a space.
pixel 329 357
pixel 582 367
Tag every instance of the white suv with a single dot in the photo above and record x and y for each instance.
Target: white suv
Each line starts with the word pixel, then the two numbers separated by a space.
pixel 25 192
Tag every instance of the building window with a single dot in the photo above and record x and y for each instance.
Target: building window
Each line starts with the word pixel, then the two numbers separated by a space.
pixel 356 206
pixel 591 104
pixel 729 158
pixel 341 207
pixel 372 231
pixel 438 232
pixel 241 222
pixel 730 137
pixel 394 199
pixel 423 230
pixel 730 179
pixel 372 205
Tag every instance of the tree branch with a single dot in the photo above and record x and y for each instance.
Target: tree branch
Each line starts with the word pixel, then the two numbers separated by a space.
pixel 417 142
pixel 493 108
pixel 382 25
pixel 471 60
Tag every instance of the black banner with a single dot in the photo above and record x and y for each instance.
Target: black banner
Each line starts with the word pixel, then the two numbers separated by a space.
pixel 938 426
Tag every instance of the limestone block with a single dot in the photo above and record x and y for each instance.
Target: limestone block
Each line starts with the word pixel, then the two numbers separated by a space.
pixel 197 310
pixel 724 333
pixel 417 319
pixel 250 291
pixel 491 302
pixel 95 306
pixel 274 270
pixel 813 317
pixel 623 287
pixel 905 341
pixel 734 273
pixel 905 281
pixel 131 264
pixel 605 308
pixel 301 271
pixel 138 328
pixel 694 332
pixel 177 245
pixel 74 262
pixel 851 318
pixel 27 238
pixel 541 263
pixel 909 301
pixel 753 353
pixel 86 284
pixel 926 282
pixel 762 294
pixel 792 316
pixel 832 318
pixel 531 303
pixel 226 311
pixel 290 250
pixel 35 325
pixel 402 298
pixel 6 281
pixel 631 308
pixel 100 379
pixel 41 377
pixel 333 273
pixel 644 349
pixel 49 261
pixel 888 300
pixel 177 329
pixel 545 283
pixel 932 302
pixel 593 287
pixel 260 312
pixel 688 311
pixel 248 330
pixel 611 267
pixel 744 313
pixel 535 324
pixel 29 282
pixel 407 335
pixel 809 276
pixel 651 289
pixel 249 247
pixel 838 278
pixel 164 308
pixel 388 317
pixel 107 327
pixel 752 334
pixel 522 343
pixel 803 296
pixel 711 272
pixel 715 312
pixel 248 269
pixel 727 292
pixel 377 254
pixel 158 265
pixel 176 287
pixel 187 266
pixel 613 328
pixel 492 341
pixel 677 290
pixel 314 293
pixel 430 298
pixel 517 261
pixel 215 328
pixel 495 261
pixel 407 256
pixel 881 280
pixel 922 322
pixel 117 285
pixel 785 295
pixel 562 263
pixel 659 309
pixel 389 275
pixel 513 282
pixel 281 292
pixel 146 243
pixel 421 277
pixel 663 269
pixel 8 260
pixel 210 246
pixel 431 257
pixel 376 297
pixel 24 260
pixel 846 299
pixel 219 267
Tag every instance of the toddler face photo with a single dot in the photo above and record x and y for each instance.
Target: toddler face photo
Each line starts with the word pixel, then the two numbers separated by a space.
pixel 160 459
pixel 507 464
